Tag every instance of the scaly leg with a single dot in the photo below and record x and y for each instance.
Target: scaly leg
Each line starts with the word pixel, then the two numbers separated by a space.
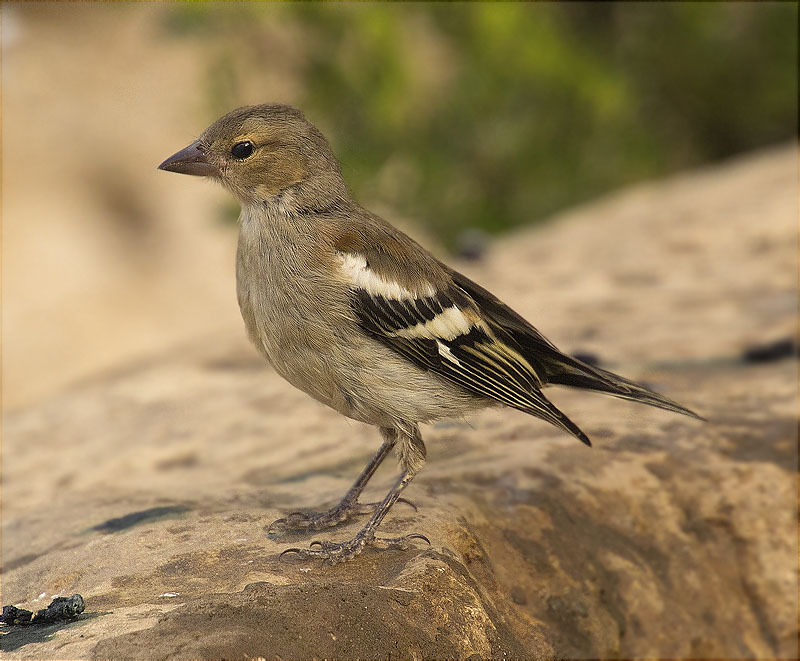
pixel 412 456
pixel 349 506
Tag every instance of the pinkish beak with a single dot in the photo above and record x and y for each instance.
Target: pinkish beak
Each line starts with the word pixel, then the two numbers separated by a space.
pixel 191 160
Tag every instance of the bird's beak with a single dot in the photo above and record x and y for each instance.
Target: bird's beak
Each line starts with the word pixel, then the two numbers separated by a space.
pixel 191 160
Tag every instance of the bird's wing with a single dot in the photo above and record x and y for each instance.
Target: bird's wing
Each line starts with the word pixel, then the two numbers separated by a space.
pixel 435 323
pixel 552 365
pixel 502 318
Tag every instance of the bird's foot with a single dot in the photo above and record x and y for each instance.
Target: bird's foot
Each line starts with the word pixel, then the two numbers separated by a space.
pixel 331 553
pixel 298 521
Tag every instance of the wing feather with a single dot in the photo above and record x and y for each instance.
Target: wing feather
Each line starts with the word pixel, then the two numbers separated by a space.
pixel 553 366
pixel 444 331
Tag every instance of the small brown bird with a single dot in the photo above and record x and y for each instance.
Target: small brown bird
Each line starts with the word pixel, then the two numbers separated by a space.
pixel 353 312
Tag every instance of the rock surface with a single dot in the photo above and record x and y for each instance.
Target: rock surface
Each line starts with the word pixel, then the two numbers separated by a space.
pixel 147 490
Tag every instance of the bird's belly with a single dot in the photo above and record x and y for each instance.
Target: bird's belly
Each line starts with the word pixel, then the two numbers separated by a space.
pixel 389 390
pixel 346 370
pixel 304 326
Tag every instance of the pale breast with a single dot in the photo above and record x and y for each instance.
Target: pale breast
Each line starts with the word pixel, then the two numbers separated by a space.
pixel 299 316
pixel 291 310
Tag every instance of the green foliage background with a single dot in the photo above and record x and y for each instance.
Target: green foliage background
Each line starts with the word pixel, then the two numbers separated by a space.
pixel 490 115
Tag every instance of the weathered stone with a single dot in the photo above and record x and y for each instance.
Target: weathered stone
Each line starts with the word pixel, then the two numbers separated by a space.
pixel 147 490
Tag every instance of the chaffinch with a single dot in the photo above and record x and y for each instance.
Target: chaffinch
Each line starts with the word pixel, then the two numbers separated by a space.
pixel 353 312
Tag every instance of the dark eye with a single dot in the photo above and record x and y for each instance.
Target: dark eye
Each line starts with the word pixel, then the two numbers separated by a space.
pixel 242 149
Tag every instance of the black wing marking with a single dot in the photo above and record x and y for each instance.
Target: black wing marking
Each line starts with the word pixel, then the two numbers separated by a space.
pixel 501 317
pixel 554 366
pixel 466 352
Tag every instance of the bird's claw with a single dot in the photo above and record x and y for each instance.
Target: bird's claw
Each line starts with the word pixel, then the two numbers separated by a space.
pixel 399 543
pixel 407 502
pixel 298 521
pixel 276 525
pixel 311 520
pixel 329 552
pixel 332 553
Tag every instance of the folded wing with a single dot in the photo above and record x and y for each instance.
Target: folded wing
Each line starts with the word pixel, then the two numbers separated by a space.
pixel 441 329
pixel 552 365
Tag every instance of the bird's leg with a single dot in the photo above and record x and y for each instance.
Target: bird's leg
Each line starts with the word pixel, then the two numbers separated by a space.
pixel 349 505
pixel 412 456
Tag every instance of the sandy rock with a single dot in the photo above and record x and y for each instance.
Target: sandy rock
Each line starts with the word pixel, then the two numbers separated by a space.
pixel 148 489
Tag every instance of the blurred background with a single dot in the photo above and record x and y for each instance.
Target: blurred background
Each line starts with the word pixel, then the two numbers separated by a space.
pixel 457 122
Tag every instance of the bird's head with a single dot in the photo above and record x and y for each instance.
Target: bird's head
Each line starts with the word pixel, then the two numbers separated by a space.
pixel 258 152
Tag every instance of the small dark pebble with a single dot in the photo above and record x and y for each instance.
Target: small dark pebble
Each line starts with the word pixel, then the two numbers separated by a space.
pixel 61 608
pixel 587 357
pixel 14 615
pixel 769 351
pixel 472 244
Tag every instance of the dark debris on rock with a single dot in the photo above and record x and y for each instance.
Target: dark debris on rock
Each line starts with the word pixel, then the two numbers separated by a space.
pixel 770 351
pixel 61 608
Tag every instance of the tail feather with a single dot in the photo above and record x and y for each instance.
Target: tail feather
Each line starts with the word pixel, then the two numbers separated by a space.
pixel 571 372
pixel 546 410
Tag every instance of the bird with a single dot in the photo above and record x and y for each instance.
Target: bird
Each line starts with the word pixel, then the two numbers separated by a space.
pixel 355 313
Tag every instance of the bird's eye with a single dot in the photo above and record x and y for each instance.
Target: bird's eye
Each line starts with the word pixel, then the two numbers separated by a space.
pixel 242 149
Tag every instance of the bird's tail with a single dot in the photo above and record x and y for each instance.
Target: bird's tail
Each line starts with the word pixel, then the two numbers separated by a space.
pixel 567 371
